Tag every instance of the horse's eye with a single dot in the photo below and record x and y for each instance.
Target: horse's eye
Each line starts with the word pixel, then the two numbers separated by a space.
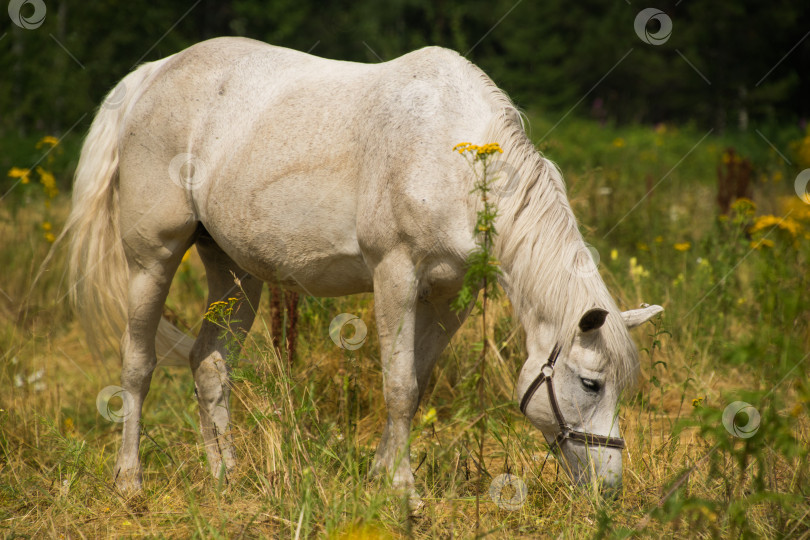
pixel 590 385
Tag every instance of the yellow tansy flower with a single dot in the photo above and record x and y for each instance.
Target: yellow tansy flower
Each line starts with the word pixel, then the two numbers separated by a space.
pixel 22 174
pixel 48 182
pixel 682 246
pixel 744 205
pixel 785 223
pixel 49 140
pixel 478 152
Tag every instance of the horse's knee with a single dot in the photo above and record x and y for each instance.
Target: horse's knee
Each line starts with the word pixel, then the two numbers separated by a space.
pixel 402 397
pixel 211 380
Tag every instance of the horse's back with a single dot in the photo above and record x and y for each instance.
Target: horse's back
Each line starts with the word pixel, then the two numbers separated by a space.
pixel 304 166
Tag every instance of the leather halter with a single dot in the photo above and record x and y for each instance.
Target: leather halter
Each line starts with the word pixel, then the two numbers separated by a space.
pixel 566 432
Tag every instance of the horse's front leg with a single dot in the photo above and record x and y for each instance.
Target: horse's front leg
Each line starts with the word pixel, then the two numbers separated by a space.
pixel 395 305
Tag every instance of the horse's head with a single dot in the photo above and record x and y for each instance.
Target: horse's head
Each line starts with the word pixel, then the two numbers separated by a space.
pixel 572 396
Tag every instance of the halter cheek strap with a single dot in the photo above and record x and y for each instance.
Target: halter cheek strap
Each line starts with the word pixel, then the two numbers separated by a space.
pixel 566 432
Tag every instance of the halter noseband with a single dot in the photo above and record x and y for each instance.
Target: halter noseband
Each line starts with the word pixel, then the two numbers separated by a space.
pixel 566 432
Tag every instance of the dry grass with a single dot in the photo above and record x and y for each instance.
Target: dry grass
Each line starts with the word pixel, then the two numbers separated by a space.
pixel 306 436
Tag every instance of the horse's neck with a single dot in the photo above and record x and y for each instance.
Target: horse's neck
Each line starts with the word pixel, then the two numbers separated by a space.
pixel 539 247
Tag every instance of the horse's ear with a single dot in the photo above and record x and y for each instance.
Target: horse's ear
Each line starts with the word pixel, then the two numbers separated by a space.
pixel 593 319
pixel 635 317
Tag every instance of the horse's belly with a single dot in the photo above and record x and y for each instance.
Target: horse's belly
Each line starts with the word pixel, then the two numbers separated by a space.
pixel 335 275
pixel 310 249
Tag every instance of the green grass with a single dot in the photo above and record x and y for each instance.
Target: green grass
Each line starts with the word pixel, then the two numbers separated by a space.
pixel 735 328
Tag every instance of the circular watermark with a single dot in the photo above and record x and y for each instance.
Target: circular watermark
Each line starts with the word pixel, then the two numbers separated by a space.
pixel 420 99
pixel 741 419
pixel 504 178
pixel 800 185
pixel 586 261
pixel 356 340
pixel 508 492
pixel 188 171
pixel 108 411
pixel 30 20
pixel 115 98
pixel 641 24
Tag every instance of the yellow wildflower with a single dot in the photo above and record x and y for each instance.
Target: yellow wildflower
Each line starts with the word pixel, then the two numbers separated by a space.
pixel 785 223
pixel 46 226
pixel 698 401
pixel 48 182
pixel 478 152
pixel 797 208
pixel 49 140
pixel 430 416
pixel 490 148
pixel 744 205
pixel 220 309
pixel 461 147
pixel 22 174
pixel 659 239
pixel 618 142
pixel 50 237
pixel 636 270
pixel 710 515
pixel 682 246
pixel 614 254
pixel 186 256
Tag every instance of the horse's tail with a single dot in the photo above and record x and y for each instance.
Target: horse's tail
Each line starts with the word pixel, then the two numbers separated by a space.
pixel 98 275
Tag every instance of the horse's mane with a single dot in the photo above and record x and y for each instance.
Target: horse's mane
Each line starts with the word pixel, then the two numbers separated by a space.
pixel 540 247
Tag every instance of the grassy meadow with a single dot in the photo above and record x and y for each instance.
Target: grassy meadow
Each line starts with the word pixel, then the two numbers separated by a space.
pixel 736 328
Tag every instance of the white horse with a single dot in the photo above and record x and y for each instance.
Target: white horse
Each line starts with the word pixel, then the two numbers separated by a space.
pixel 336 178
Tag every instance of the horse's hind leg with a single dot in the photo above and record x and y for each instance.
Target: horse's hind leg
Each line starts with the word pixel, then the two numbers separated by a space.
pixel 209 356
pixel 152 259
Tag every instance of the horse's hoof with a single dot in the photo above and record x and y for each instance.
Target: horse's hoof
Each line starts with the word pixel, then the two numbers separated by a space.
pixel 128 483
pixel 415 503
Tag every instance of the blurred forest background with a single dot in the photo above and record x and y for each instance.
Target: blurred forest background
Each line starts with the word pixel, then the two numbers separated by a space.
pixel 726 65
